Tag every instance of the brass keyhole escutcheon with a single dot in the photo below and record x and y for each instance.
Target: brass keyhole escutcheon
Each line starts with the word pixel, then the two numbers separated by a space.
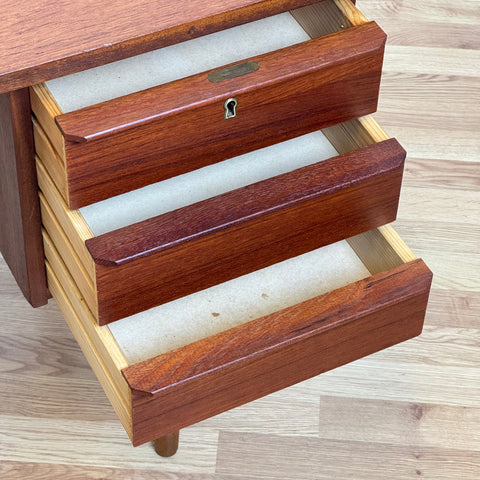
pixel 230 107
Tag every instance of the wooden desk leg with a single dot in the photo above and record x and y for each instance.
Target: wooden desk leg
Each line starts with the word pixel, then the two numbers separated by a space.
pixel 20 223
pixel 168 445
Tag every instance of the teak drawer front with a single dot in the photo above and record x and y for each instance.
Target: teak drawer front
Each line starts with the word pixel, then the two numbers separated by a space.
pixel 193 248
pixel 145 137
pixel 167 131
pixel 230 369
pixel 186 385
pixel 163 258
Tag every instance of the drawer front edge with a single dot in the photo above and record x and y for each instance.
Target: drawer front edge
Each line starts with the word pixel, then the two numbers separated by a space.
pixel 178 127
pixel 193 248
pixel 230 369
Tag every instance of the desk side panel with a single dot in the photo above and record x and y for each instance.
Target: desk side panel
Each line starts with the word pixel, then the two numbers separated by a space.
pixel 20 223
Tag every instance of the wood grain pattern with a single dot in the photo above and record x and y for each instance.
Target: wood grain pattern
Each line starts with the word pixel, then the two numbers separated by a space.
pixel 79 326
pixel 130 111
pixel 46 109
pixel 404 423
pixel 167 446
pixel 340 458
pixel 226 370
pixel 66 36
pixel 98 345
pixel 323 18
pixel 72 222
pixel 50 159
pixel 149 136
pixel 20 235
pixel 195 247
pixel 288 435
pixel 381 249
pixel 82 276
pixel 54 470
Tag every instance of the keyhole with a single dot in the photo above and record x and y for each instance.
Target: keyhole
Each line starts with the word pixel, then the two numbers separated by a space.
pixel 231 108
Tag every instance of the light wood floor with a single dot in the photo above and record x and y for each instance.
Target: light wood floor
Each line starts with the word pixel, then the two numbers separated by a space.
pixel 412 411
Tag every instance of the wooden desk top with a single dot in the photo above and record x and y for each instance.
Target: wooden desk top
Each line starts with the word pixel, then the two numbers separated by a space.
pixel 41 40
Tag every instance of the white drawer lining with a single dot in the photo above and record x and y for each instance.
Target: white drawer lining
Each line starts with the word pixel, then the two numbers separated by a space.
pixel 238 301
pixel 233 303
pixel 161 66
pixel 207 182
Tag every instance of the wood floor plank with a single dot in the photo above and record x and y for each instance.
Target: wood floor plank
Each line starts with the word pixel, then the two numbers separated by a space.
pixel 437 205
pixel 41 355
pixel 45 321
pixel 263 456
pixel 452 270
pixel 399 423
pixel 409 382
pixel 47 471
pixel 439 236
pixel 438 346
pixel 100 444
pixel 430 34
pixel 454 308
pixel 56 398
pixel 426 91
pixel 432 61
pixel 405 120
pixel 445 174
pixel 293 411
pixel 464 12
pixel 424 100
pixel 408 412
pixel 434 141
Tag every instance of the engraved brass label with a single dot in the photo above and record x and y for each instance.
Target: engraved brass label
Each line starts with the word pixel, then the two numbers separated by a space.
pixel 233 72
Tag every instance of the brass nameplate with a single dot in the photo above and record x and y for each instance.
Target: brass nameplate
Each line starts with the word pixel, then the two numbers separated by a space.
pixel 233 72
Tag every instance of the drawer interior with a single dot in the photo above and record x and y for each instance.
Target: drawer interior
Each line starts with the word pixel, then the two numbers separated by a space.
pixel 207 182
pixel 181 60
pixel 219 308
pixel 233 303
pixel 168 64
pixel 71 229
pixel 178 326
pixel 123 345
pixel 186 320
pixel 120 79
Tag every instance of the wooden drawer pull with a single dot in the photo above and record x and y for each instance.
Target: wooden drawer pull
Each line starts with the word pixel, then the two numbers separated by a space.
pixel 321 62
pixel 229 369
pixel 260 204
pixel 187 250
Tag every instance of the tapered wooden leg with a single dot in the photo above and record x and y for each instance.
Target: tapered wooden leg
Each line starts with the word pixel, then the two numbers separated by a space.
pixel 168 445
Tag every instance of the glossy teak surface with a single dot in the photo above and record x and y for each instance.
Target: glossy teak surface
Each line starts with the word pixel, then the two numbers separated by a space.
pixel 20 223
pixel 49 39
pixel 204 244
pixel 240 365
pixel 146 137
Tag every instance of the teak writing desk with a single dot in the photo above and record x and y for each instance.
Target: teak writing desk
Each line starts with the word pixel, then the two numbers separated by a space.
pixel 199 177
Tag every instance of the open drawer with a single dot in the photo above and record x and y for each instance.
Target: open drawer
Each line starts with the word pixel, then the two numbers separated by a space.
pixel 177 237
pixel 206 353
pixel 135 122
